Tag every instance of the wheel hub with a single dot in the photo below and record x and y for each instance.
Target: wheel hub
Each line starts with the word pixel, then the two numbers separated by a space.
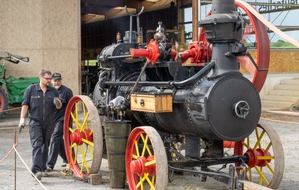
pixel 256 157
pixel 77 136
pixel 140 166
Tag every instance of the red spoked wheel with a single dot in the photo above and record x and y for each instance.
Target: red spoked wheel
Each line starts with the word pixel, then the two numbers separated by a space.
pixel 83 138
pixel 266 158
pixel 146 161
pixel 3 103
pixel 255 37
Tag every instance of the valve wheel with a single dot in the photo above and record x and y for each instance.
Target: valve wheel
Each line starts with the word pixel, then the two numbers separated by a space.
pixel 256 32
pixel 264 150
pixel 146 161
pixel 83 138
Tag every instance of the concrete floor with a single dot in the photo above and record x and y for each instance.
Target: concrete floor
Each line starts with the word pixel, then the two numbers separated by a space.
pixel 288 132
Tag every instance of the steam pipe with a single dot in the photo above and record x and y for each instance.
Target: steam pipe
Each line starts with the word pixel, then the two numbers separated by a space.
pixel 198 75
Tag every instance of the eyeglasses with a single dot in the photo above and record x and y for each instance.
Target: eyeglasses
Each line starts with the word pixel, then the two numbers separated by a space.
pixel 47 78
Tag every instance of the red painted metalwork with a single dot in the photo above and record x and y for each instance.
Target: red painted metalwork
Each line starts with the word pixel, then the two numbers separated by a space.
pixel 198 52
pixel 138 166
pixel 253 157
pixel 152 52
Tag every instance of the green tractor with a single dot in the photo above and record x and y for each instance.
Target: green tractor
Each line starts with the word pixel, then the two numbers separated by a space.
pixel 11 88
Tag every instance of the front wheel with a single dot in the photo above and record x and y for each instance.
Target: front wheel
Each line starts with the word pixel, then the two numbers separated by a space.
pixel 3 103
pixel 146 161
pixel 266 157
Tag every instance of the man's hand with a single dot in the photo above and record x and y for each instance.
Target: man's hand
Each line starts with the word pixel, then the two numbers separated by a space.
pixel 21 124
pixel 57 102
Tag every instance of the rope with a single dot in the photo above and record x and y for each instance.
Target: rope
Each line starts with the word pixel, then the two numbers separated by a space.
pixel 10 151
pixel 29 169
pixel 6 155
pixel 10 109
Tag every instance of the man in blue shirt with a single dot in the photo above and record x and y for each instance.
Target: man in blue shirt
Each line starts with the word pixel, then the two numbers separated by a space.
pixel 40 101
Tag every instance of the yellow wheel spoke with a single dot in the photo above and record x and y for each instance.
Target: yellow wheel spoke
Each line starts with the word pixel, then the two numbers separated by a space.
pixel 84 161
pixel 73 145
pixel 265 157
pixel 136 148
pixel 149 181
pixel 150 163
pixel 250 174
pixel 77 109
pixel 144 143
pixel 145 147
pixel 270 168
pixel 91 151
pixel 262 177
pixel 258 142
pixel 91 132
pixel 84 123
pixel 75 119
pixel 135 156
pixel 140 183
pixel 152 185
pixel 246 145
pixel 248 141
pixel 87 142
pixel 71 130
pixel 268 147
pixel 75 152
pixel 84 113
pixel 153 182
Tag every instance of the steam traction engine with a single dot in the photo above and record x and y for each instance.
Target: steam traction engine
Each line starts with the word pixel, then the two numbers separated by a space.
pixel 150 104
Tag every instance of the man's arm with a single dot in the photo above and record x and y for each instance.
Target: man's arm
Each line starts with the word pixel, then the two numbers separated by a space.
pixel 23 114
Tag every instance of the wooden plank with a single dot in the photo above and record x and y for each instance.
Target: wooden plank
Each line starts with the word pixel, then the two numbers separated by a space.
pixel 248 185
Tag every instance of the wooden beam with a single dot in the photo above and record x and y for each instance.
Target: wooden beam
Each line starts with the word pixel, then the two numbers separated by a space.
pixel 194 20
pixel 248 185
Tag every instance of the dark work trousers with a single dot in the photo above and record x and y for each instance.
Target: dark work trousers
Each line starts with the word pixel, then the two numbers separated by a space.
pixel 40 135
pixel 56 145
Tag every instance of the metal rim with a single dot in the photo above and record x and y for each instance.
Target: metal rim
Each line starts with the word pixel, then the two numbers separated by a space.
pixel 83 138
pixel 266 157
pixel 146 161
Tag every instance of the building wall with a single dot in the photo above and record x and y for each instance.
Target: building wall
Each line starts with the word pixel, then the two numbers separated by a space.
pixel 48 32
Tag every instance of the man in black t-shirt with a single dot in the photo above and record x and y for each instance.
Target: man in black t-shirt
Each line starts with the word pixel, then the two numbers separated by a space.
pixel 40 101
pixel 57 144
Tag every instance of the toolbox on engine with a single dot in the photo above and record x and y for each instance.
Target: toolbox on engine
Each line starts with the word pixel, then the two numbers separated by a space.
pixel 155 103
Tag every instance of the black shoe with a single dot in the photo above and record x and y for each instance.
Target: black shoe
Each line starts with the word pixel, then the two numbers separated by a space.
pixel 45 174
pixel 49 169
pixel 38 175
pixel 64 164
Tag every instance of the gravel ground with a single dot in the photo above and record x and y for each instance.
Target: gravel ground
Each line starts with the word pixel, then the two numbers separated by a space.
pixel 286 126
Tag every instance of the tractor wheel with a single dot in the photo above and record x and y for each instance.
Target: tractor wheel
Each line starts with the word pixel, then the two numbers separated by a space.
pixel 3 103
